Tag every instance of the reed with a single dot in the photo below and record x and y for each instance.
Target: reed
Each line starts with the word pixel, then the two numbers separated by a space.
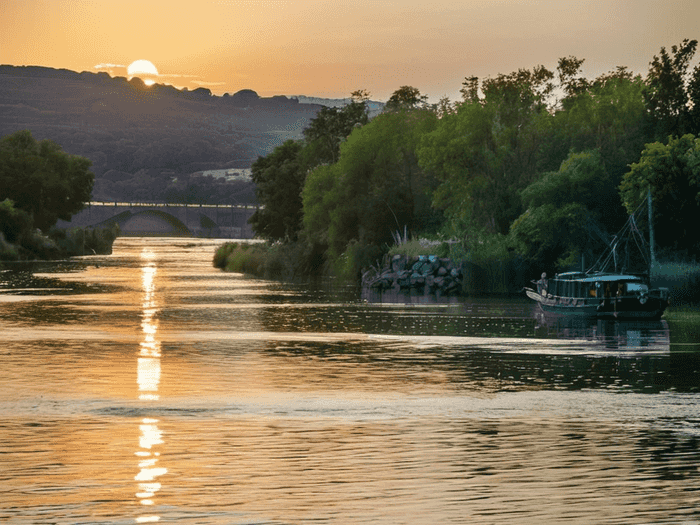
pixel 681 278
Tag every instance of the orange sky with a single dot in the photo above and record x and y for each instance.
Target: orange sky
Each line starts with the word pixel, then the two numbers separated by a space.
pixel 329 48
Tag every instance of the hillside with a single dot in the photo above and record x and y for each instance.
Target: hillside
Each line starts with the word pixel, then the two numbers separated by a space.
pixel 146 142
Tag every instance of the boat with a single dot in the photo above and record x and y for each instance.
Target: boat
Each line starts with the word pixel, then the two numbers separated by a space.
pixel 603 294
pixel 599 295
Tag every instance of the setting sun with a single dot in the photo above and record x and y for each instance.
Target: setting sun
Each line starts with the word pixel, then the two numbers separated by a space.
pixel 143 69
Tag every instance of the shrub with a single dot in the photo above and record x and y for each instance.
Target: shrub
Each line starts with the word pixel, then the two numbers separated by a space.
pixel 681 278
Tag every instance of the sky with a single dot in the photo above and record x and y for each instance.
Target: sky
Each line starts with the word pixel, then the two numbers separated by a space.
pixel 329 48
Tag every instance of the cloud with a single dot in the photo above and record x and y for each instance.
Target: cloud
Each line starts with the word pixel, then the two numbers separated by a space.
pixel 107 66
pixel 177 75
pixel 202 83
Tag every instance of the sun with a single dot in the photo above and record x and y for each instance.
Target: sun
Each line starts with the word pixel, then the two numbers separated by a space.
pixel 143 69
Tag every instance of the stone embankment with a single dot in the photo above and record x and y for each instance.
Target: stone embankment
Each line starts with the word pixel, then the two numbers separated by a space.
pixel 426 273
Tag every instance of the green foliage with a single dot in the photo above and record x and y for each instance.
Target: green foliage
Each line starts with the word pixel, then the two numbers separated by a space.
pixel 279 178
pixel 277 260
pixel 672 94
pixel 281 175
pixel 416 247
pixel 564 208
pixel 240 257
pixel 515 177
pixel 356 256
pixel 84 241
pixel 14 224
pixel 406 97
pixel 672 172
pixel 332 125
pixel 490 149
pixel 42 180
pixel 374 188
pixel 606 115
pixel 683 281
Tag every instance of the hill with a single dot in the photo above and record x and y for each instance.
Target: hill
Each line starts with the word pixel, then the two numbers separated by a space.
pixel 146 143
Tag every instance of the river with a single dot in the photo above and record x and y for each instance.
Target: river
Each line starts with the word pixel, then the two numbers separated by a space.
pixel 148 386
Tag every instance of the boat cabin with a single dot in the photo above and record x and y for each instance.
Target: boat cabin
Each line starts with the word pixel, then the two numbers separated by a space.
pixel 579 285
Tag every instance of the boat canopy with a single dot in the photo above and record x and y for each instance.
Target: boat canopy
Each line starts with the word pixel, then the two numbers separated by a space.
pixel 596 277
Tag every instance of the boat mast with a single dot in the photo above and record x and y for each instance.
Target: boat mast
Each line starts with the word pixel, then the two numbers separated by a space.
pixel 651 233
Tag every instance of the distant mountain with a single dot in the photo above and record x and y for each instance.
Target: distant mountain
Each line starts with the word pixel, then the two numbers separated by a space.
pixel 374 107
pixel 149 136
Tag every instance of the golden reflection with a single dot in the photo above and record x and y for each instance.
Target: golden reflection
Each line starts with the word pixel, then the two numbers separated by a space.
pixel 148 379
pixel 149 357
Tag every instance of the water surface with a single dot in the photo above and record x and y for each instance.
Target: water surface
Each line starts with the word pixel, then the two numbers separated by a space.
pixel 148 386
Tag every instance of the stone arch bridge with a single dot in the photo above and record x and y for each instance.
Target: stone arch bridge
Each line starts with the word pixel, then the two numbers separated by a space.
pixel 175 220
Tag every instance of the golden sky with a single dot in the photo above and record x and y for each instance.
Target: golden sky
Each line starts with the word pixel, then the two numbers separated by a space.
pixel 329 48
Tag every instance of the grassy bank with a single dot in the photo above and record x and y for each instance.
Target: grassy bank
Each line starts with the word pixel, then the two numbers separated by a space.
pixel 269 261
pixel 59 244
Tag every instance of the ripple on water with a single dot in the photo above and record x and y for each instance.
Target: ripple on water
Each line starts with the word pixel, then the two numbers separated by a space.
pixel 178 393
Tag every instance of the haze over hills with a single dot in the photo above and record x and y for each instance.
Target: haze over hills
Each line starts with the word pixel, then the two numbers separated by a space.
pixel 146 143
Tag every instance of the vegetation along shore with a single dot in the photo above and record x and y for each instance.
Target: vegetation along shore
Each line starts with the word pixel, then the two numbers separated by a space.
pixel 531 171
pixel 41 184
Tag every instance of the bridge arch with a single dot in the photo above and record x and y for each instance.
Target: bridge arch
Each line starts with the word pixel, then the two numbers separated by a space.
pixel 189 220
pixel 152 222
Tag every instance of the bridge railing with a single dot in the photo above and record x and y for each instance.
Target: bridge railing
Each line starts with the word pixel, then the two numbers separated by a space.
pixel 174 205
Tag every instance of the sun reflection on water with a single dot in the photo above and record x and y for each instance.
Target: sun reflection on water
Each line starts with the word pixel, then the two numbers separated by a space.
pixel 148 379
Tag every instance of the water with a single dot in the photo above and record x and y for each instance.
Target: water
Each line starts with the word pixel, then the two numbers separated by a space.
pixel 148 386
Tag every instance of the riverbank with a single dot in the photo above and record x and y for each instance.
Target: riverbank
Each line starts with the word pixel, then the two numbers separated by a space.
pixel 59 244
pixel 423 273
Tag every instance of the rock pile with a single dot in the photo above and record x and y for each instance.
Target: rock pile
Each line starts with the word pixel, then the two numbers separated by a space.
pixel 428 273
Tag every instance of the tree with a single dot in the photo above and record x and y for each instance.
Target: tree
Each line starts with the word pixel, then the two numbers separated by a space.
pixel 14 223
pixel 566 213
pixel 606 114
pixel 489 149
pixel 332 125
pixel 279 178
pixel 570 79
pixel 672 94
pixel 406 97
pixel 672 173
pixel 42 180
pixel 375 188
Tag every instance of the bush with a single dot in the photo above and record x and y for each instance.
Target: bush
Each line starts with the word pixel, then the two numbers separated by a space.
pixel 681 278
pixel 8 251
pixel 240 257
pixel 416 247
pixel 271 261
pixel 14 222
pixel 355 258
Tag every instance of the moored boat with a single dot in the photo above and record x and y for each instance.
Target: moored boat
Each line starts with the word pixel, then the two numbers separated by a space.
pixel 600 295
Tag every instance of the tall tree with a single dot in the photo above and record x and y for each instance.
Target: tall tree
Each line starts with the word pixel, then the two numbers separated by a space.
pixel 332 125
pixel 672 173
pixel 672 93
pixel 406 97
pixel 607 115
pixel 42 180
pixel 489 149
pixel 279 178
pixel 375 188
pixel 565 213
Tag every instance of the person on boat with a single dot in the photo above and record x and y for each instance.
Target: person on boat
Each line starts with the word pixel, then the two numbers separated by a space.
pixel 542 285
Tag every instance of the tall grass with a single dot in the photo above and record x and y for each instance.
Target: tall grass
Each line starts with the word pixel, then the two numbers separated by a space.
pixel 270 261
pixel 681 278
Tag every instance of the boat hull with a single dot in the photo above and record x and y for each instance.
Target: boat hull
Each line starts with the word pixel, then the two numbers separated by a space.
pixel 610 308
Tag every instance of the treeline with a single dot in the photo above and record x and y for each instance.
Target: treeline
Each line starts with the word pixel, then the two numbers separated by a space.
pixel 530 171
pixel 39 184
